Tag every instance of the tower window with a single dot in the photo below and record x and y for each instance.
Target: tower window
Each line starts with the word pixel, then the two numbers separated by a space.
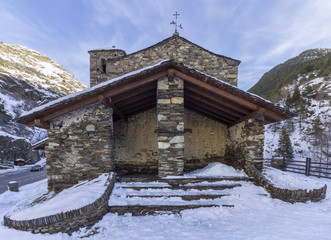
pixel 103 63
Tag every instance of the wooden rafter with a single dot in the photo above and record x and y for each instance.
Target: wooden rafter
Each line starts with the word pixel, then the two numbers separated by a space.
pixel 141 108
pixel 134 93
pixel 136 98
pixel 253 114
pixel 194 109
pixel 207 112
pixel 223 93
pixel 217 99
pixel 221 114
pixel 107 102
pixel 210 103
pixel 40 123
pixel 141 103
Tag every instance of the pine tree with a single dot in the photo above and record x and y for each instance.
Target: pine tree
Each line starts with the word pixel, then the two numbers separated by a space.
pixel 285 146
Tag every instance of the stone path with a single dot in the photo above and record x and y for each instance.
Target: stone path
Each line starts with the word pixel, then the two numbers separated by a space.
pixel 145 196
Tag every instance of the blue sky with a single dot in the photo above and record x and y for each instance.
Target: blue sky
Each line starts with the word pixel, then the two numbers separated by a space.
pixel 260 33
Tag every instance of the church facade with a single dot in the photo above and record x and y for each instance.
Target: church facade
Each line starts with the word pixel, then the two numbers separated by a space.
pixel 165 110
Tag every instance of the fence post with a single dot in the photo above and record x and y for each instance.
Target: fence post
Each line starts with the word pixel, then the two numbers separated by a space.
pixel 308 161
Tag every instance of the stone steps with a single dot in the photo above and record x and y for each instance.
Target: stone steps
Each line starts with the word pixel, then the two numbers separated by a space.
pixel 176 181
pixel 185 188
pixel 138 210
pixel 189 197
pixel 151 195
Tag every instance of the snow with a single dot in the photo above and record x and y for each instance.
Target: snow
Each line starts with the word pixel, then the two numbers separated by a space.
pixel 11 106
pixel 255 216
pixel 24 63
pixel 2 133
pixel 216 169
pixel 300 138
pixel 291 181
pixel 78 196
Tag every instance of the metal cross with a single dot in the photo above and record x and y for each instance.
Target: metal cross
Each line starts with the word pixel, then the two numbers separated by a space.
pixel 175 22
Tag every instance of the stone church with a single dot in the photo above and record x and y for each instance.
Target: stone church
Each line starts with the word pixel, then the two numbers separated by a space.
pixel 167 109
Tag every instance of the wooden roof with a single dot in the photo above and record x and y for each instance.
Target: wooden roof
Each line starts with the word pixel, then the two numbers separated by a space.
pixel 136 92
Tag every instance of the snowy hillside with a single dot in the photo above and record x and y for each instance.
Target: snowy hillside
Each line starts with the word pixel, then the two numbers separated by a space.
pixel 309 96
pixel 27 79
pixel 24 63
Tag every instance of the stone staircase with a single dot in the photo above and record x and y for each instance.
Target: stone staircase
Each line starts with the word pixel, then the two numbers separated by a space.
pixel 150 195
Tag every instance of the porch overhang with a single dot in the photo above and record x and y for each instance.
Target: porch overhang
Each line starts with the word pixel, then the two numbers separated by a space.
pixel 137 91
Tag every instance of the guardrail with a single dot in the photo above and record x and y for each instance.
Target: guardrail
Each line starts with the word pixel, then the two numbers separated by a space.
pixel 308 167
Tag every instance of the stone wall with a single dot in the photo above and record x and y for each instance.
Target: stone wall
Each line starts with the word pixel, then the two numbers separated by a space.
pixel 245 143
pixel 235 153
pixel 70 221
pixel 176 48
pixel 98 62
pixel 170 126
pixel 205 141
pixel 79 146
pixel 287 195
pixel 135 144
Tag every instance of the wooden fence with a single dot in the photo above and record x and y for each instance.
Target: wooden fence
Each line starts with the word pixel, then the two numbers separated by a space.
pixel 308 167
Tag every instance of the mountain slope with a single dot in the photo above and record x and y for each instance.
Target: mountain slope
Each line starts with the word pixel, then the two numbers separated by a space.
pixel 24 63
pixel 27 79
pixel 272 81
pixel 305 89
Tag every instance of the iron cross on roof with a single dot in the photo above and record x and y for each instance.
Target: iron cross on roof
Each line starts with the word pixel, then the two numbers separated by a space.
pixel 175 22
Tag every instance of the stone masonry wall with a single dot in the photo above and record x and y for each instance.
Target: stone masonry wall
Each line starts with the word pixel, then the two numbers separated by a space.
pixel 245 143
pixel 135 144
pixel 175 48
pixel 205 141
pixel 170 132
pixel 79 146
pixel 98 63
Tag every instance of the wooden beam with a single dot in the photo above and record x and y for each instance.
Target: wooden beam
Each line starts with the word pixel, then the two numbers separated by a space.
pixel 135 92
pixel 253 114
pixel 217 99
pixel 139 103
pixel 208 102
pixel 141 108
pixel 107 103
pixel 272 115
pixel 223 93
pixel 207 112
pixel 136 98
pixel 104 101
pixel 40 123
pixel 221 114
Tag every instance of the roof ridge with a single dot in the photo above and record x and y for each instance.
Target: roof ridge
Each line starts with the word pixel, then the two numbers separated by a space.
pixel 167 40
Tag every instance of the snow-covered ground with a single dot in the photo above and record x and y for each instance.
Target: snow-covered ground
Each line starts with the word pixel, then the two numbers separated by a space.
pixel 78 196
pixel 255 216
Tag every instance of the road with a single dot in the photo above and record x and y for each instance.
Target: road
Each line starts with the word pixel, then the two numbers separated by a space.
pixel 23 177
